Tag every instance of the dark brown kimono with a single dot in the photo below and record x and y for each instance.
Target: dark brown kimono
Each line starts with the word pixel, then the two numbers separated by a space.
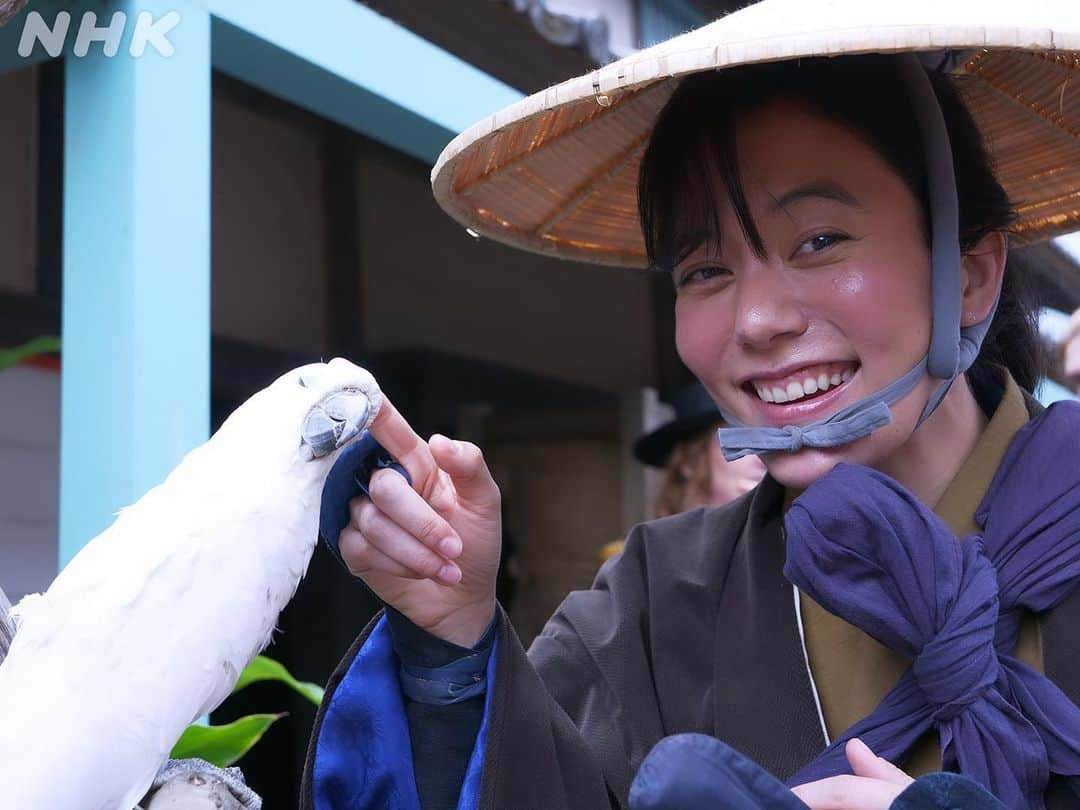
pixel 692 628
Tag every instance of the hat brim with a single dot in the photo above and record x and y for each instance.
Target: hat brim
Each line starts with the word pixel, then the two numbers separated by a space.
pixel 655 448
pixel 556 173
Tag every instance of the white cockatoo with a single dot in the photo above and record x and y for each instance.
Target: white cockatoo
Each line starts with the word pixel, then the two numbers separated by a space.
pixel 148 627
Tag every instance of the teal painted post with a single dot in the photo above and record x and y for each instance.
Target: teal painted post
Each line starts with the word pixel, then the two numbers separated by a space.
pixel 343 61
pixel 135 387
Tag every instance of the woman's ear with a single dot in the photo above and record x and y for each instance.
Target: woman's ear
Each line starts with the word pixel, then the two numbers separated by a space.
pixel 982 269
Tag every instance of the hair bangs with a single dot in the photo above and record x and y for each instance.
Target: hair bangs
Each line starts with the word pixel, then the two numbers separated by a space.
pixel 680 206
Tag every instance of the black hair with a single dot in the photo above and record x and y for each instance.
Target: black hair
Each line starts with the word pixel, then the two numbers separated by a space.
pixel 679 206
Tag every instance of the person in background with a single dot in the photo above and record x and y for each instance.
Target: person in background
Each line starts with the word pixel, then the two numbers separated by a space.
pixel 695 472
pixel 687 450
pixel 1070 352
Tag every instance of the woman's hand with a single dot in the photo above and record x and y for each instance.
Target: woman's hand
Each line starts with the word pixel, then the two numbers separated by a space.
pixel 875 785
pixel 431 550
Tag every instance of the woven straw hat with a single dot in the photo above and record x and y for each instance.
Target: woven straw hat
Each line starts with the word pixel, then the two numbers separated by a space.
pixel 556 173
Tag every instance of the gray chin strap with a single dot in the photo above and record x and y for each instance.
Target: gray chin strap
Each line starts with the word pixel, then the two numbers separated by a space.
pixel 952 349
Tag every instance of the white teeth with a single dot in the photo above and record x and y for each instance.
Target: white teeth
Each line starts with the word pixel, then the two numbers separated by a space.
pixel 808 387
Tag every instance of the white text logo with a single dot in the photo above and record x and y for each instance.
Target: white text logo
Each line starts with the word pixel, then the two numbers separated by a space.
pixel 147 31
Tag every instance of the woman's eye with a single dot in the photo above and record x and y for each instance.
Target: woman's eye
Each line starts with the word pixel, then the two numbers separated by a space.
pixel 820 242
pixel 702 273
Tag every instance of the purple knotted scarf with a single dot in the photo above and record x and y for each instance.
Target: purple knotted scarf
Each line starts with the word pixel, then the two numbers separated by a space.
pixel 870 552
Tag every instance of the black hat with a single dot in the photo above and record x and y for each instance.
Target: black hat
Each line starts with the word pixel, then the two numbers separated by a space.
pixel 694 412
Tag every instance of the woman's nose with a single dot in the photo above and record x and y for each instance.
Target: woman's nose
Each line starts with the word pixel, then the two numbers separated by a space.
pixel 766 308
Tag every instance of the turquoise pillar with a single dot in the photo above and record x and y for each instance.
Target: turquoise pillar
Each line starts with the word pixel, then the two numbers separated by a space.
pixel 135 387
pixel 343 61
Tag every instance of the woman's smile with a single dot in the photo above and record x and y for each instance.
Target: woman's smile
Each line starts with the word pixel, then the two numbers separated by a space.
pixel 802 395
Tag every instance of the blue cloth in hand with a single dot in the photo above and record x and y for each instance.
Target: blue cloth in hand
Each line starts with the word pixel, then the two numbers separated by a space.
pixel 348 478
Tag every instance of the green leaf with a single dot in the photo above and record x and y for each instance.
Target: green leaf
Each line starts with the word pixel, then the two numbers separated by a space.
pixel 223 745
pixel 267 669
pixel 41 345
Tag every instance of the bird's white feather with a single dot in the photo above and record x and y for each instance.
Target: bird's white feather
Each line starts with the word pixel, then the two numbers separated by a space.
pixel 148 627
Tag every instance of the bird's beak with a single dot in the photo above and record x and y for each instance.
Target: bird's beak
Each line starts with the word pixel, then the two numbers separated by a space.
pixel 333 423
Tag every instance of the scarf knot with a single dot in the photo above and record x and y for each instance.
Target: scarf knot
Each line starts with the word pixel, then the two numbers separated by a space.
pixel 797 437
pixel 870 552
pixel 958 665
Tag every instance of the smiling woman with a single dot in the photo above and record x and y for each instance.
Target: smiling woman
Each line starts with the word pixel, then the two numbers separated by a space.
pixel 906 573
pixel 792 210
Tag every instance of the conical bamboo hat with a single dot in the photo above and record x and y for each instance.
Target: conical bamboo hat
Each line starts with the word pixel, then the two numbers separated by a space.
pixel 556 173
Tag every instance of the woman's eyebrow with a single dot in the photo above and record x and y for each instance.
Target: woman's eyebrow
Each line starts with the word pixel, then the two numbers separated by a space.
pixel 824 190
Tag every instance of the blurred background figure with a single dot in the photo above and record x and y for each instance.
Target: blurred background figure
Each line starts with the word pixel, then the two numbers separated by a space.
pixel 1070 352
pixel 694 472
pixel 1061 335
pixel 1059 329
pixel 687 450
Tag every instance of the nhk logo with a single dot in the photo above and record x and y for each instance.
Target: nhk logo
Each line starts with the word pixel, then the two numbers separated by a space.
pixel 147 31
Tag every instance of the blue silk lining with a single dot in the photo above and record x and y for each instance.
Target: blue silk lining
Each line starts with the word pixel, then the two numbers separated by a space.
pixel 363 756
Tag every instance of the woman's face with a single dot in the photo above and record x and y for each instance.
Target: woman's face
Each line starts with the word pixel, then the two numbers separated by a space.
pixel 838 307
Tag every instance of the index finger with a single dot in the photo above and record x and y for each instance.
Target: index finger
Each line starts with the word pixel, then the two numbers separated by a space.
pixel 402 442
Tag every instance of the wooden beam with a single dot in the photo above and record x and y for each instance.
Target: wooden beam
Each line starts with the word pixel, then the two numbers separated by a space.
pixel 50 174
pixel 493 36
pixel 1052 274
pixel 344 275
pixel 24 317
